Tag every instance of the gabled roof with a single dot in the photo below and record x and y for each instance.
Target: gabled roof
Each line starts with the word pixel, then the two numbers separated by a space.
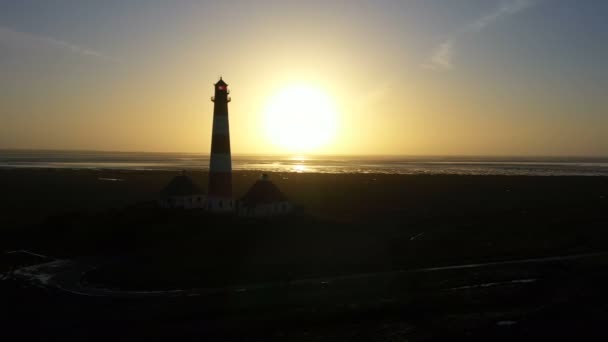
pixel 181 185
pixel 221 83
pixel 263 192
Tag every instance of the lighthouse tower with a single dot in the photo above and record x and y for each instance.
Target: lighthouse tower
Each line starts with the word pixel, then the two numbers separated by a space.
pixel 220 165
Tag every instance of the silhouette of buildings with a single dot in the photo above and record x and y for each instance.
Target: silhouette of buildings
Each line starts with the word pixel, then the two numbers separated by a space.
pixel 264 199
pixel 182 193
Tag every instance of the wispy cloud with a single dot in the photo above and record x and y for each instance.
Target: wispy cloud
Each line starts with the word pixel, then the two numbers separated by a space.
pixel 504 10
pixel 443 55
pixel 17 38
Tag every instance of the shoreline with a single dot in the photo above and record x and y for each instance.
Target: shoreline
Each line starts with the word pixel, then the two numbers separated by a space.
pixel 325 164
pixel 314 172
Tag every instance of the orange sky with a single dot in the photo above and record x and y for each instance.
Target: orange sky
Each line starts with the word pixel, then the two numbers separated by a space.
pixel 405 79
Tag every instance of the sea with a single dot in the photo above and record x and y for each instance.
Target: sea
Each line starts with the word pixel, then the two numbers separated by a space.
pixel 407 165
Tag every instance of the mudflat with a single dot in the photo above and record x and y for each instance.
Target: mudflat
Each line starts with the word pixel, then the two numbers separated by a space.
pixel 345 222
pixel 371 225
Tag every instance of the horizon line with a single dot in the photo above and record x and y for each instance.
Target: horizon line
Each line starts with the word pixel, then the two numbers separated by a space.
pixel 310 154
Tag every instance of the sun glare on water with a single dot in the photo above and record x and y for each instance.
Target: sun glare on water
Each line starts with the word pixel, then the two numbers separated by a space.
pixel 300 119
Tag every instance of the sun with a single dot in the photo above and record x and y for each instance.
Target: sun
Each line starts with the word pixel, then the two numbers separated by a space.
pixel 300 119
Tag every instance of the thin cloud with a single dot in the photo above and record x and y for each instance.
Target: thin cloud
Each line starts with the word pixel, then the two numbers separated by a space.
pixel 18 38
pixel 377 93
pixel 506 9
pixel 442 57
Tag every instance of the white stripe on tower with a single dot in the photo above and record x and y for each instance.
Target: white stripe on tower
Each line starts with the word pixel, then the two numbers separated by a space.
pixel 220 164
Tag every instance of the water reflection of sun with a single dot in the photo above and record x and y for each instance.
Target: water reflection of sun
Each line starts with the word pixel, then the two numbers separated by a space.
pixel 300 168
pixel 298 158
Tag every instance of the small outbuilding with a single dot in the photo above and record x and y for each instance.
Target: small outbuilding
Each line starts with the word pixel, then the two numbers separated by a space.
pixel 264 199
pixel 182 193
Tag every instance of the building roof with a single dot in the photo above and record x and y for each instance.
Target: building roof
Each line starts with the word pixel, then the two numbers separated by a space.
pixel 263 192
pixel 221 83
pixel 181 185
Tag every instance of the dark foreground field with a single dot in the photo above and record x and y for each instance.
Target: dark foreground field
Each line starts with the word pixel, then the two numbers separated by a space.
pixel 367 225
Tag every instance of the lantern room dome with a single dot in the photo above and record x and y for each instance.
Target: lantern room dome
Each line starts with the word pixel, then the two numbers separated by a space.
pixel 221 83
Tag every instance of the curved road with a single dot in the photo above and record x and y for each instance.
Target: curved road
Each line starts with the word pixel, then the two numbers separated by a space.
pixel 66 275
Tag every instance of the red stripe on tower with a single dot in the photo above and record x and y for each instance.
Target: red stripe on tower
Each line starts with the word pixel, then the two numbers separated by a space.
pixel 220 164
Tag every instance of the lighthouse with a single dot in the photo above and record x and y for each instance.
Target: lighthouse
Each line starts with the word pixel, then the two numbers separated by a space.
pixel 219 197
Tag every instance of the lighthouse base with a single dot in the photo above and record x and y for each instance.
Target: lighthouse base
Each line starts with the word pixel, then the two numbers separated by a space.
pixel 220 205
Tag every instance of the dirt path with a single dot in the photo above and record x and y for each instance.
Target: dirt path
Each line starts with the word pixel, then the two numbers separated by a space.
pixel 66 275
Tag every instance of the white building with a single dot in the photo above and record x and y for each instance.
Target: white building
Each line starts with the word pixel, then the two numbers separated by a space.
pixel 182 193
pixel 264 199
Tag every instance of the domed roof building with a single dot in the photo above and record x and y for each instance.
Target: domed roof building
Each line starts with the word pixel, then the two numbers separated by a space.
pixel 264 199
pixel 182 192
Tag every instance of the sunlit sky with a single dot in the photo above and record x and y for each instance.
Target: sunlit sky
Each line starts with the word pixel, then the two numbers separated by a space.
pixel 426 77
